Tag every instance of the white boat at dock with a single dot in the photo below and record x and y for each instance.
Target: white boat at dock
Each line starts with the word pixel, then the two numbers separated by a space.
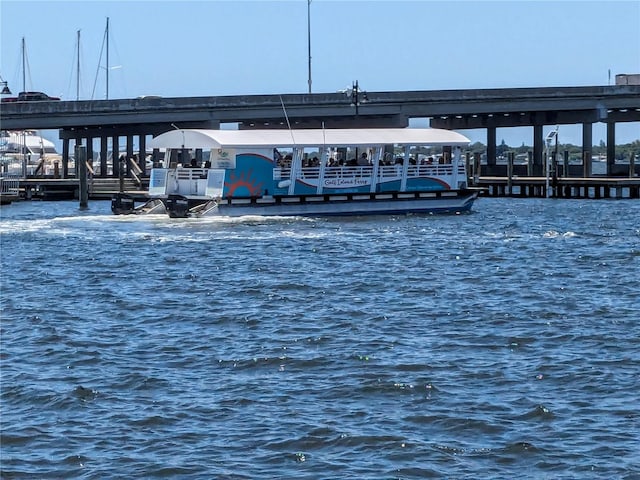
pixel 310 172
pixel 26 153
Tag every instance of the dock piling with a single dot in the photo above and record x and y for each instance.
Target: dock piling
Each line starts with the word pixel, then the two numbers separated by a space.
pixel 510 158
pixel 81 165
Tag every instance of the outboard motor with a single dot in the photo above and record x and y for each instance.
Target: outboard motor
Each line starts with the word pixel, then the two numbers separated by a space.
pixel 122 204
pixel 177 206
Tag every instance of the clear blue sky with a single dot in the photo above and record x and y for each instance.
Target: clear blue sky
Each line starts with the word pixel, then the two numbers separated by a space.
pixel 183 48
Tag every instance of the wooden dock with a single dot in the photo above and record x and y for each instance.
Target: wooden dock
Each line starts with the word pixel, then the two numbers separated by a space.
pixel 565 187
pixel 68 189
pixel 492 186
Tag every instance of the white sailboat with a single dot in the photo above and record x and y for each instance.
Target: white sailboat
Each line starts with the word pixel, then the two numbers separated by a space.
pixel 25 152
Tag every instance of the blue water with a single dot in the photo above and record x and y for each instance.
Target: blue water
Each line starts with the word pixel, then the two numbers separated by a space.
pixel 504 343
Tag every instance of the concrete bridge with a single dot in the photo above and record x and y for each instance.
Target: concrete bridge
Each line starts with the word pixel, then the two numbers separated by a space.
pixel 83 121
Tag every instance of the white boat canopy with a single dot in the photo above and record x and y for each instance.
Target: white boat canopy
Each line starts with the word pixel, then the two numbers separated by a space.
pixel 208 139
pixel 27 138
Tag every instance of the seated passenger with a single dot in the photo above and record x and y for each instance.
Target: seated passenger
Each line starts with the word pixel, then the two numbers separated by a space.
pixel 363 160
pixel 277 157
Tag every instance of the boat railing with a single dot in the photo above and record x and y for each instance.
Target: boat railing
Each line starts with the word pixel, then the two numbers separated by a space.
pixel 187 181
pixel 348 172
pixel 281 173
pixel 310 172
pixel 365 171
pixel 430 170
pixel 390 171
pixel 191 173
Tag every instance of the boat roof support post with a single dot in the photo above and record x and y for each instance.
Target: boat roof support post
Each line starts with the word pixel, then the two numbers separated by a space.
pixel 455 164
pixel 324 157
pixel 296 163
pixel 405 168
pixel 166 162
pixel 376 158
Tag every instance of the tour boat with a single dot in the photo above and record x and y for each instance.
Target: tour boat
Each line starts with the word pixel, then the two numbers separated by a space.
pixel 309 172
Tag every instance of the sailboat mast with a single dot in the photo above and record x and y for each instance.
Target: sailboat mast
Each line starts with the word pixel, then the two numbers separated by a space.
pixel 24 67
pixel 107 71
pixel 309 39
pixel 78 70
pixel 24 133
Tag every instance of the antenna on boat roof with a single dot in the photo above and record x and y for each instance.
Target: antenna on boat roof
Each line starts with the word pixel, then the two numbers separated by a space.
pixel 287 119
pixel 176 127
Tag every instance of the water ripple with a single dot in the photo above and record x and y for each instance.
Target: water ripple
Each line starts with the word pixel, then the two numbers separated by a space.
pixel 475 346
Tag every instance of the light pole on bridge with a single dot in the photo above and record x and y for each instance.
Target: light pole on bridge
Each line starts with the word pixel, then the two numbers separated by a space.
pixel 356 95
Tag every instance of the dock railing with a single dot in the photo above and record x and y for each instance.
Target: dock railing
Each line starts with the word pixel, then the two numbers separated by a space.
pixel 9 184
pixel 135 171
